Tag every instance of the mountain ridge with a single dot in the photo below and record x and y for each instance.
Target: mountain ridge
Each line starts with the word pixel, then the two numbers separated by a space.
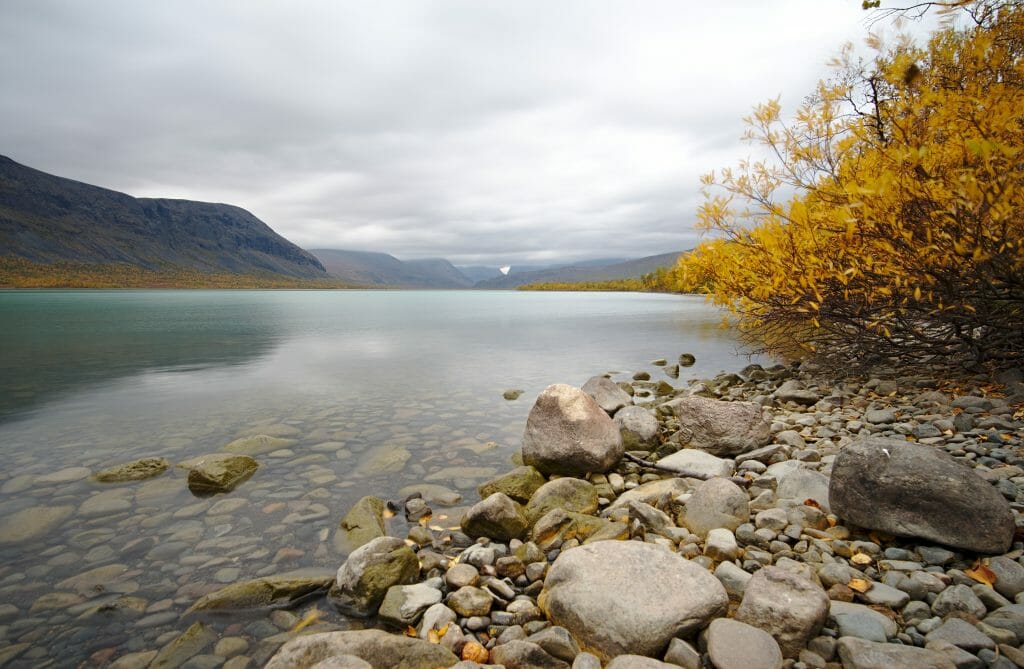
pixel 46 218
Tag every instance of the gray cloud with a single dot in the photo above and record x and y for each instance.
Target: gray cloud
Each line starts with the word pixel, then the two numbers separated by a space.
pixel 478 131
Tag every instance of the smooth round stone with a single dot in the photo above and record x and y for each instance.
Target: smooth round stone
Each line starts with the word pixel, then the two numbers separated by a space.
pixel 736 645
pixel 461 574
pixel 32 523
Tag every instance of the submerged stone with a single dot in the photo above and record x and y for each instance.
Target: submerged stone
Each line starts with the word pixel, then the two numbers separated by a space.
pixel 32 523
pixel 364 522
pixel 138 470
pixel 271 591
pixel 218 472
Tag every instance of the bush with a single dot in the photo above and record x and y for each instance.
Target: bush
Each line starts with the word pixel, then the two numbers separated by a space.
pixel 889 222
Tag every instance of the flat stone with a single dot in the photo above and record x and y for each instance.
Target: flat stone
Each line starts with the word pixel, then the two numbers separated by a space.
pixel 66 475
pixel 403 605
pixel 839 609
pixel 718 427
pixel 137 470
pixel 387 459
pixel 191 642
pixel 700 462
pixel 961 634
pixel 638 662
pixel 471 601
pixel 733 578
pixel 525 655
pixel 258 444
pixel 885 595
pixel 653 492
pixel 627 597
pixel 32 523
pixel 266 592
pixel 960 599
pixel 804 484
pixel 736 645
pixel 379 648
pixel 862 654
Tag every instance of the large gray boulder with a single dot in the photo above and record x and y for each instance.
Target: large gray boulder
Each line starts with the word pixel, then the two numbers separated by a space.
pixel 608 395
pixel 363 580
pixel 718 427
pixel 628 597
pixel 381 649
pixel 791 608
pixel 638 426
pixel 568 433
pixel 912 490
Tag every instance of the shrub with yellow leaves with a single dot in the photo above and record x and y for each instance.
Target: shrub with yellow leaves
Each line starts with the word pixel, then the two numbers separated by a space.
pixel 888 223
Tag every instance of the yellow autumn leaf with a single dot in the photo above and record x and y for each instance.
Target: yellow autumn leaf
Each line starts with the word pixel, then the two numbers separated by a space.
pixel 862 559
pixel 982 574
pixel 859 585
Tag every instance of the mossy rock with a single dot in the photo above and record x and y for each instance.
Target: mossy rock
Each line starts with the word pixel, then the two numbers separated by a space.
pixel 363 523
pixel 519 484
pixel 138 470
pixel 218 472
pixel 268 592
pixel 512 394
pixel 567 493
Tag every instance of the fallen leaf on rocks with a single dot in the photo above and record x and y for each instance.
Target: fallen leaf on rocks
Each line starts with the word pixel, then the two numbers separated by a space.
pixel 880 537
pixel 885 611
pixel 862 559
pixel 435 636
pixel 474 652
pixel 424 520
pixel 859 585
pixel 982 574
pixel 814 503
pixel 411 632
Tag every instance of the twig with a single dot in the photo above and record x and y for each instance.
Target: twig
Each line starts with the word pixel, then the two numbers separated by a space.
pixel 685 473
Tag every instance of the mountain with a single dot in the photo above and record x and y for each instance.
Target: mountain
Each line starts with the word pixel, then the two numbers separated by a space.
pixel 46 219
pixel 582 272
pixel 477 273
pixel 381 269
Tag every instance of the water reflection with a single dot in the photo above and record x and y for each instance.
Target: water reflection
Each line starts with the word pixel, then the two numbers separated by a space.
pixel 56 343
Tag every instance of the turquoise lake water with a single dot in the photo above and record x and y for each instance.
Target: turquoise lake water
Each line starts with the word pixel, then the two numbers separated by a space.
pixel 347 379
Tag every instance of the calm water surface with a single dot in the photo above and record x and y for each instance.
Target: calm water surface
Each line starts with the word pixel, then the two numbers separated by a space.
pixel 372 392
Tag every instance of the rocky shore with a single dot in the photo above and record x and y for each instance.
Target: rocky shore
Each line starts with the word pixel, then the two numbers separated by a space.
pixel 767 518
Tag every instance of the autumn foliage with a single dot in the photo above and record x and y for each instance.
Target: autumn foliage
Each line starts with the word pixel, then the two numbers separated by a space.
pixel 887 222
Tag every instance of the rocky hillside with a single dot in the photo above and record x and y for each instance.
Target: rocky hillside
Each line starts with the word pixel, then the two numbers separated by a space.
pixel 46 219
pixel 382 269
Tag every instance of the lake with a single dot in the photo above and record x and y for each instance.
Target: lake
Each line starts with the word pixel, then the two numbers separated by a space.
pixel 366 392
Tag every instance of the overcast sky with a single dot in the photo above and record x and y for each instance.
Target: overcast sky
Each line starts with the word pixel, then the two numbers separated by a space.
pixel 483 132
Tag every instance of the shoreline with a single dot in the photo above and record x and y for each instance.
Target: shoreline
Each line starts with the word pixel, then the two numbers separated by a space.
pixel 483 592
pixel 482 589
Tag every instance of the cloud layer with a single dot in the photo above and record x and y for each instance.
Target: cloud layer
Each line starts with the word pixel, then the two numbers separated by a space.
pixel 484 132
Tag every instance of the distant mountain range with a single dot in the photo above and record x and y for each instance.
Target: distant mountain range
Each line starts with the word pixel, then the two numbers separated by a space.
pixel 381 269
pixel 45 219
pixel 623 269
